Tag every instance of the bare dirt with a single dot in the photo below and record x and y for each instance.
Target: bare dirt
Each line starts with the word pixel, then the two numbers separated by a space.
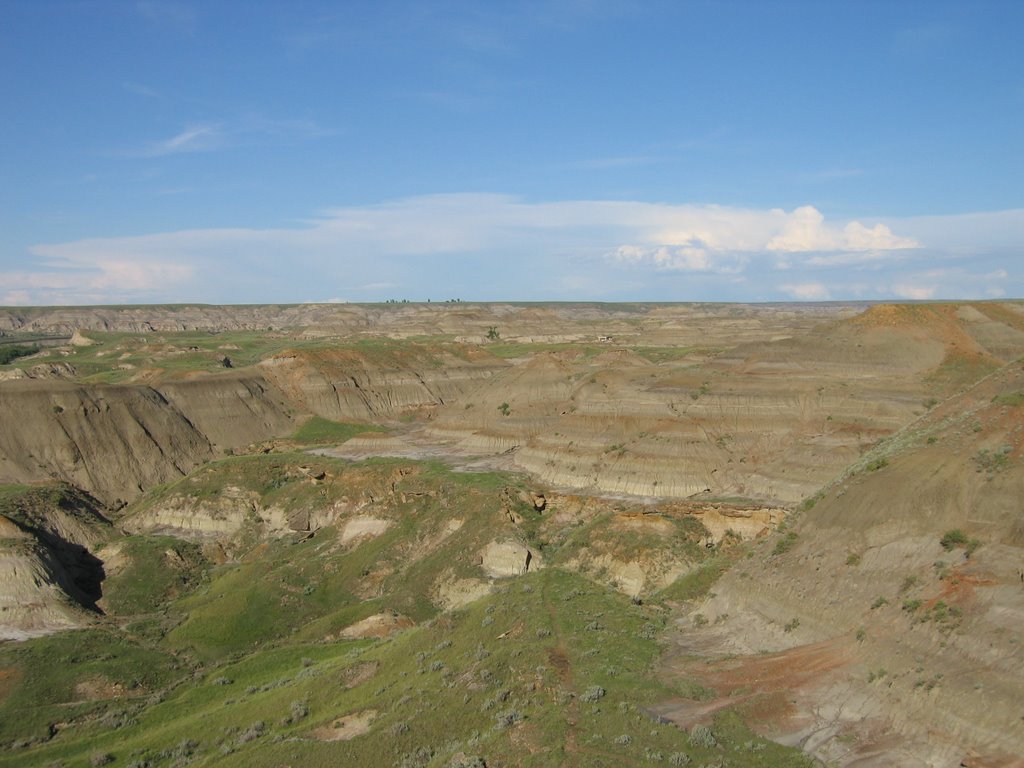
pixel 347 727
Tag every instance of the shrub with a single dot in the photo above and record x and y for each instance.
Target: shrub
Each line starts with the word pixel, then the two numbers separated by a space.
pixel 785 544
pixel 10 353
pixel 702 736
pixel 879 602
pixel 953 538
pixel 853 559
pixel 508 719
pixel 593 693
pixel 791 625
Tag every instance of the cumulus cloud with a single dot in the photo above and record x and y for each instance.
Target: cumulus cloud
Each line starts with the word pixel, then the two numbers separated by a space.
pixel 805 230
pixel 495 246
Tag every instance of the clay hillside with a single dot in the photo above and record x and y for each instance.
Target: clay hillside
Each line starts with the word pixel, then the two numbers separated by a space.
pixel 458 534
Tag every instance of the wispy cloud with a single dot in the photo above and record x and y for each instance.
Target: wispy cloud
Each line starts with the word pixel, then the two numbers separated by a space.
pixel 495 246
pixel 201 137
pixel 211 136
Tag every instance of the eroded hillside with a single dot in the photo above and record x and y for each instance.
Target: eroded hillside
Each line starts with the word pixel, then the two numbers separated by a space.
pixel 513 535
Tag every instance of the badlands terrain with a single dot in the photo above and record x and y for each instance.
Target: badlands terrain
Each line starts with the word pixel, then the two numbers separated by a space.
pixel 454 534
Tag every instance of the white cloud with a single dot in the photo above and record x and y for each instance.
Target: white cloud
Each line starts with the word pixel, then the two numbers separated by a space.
pixel 807 291
pixel 194 138
pixel 805 230
pixel 913 291
pixel 481 245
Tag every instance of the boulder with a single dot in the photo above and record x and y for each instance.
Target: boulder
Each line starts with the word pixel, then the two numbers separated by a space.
pixel 506 558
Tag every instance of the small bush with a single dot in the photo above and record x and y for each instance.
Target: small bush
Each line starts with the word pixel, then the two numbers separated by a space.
pixel 879 602
pixel 791 625
pixel 508 719
pixel 853 559
pixel 702 736
pixel 785 544
pixel 593 693
pixel 953 538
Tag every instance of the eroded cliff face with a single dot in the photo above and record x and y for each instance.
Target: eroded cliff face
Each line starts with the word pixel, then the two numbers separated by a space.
pixel 905 584
pixel 770 421
pixel 344 384
pixel 49 577
pixel 116 441
pixel 112 441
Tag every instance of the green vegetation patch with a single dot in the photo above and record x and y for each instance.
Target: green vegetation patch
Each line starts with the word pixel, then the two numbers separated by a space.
pixel 552 661
pixel 1012 399
pixel 321 431
pixel 92 674
pixel 156 569
pixel 11 352
pixel 698 582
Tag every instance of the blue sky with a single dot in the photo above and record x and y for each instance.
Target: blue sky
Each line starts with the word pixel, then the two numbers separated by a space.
pixel 238 152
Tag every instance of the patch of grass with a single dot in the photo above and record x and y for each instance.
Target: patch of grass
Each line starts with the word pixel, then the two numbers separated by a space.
pixel 1012 399
pixel 695 584
pixel 159 569
pixel 71 675
pixel 786 543
pixel 911 606
pixel 953 538
pixel 993 461
pixel 320 431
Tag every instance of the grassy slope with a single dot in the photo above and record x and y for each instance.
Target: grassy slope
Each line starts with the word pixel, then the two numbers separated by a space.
pixel 504 679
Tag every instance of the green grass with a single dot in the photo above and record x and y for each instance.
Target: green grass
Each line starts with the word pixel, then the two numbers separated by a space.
pixel 43 676
pixel 698 582
pixel 505 672
pixel 159 568
pixel 257 639
pixel 1012 399
pixel 321 431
